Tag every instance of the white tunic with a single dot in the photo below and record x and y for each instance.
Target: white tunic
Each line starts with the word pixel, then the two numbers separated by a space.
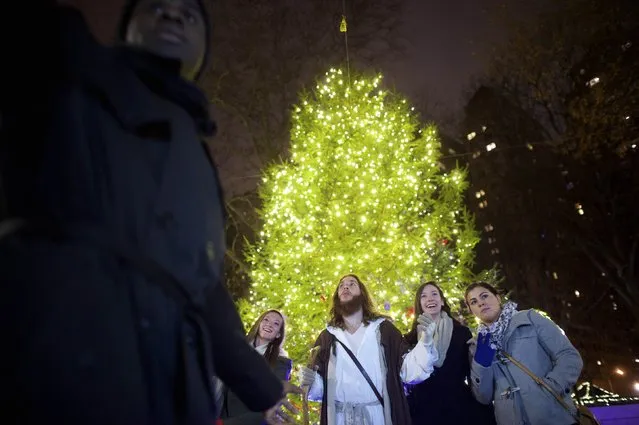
pixel 350 384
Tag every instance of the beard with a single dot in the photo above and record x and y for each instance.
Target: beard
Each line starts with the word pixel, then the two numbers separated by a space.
pixel 346 308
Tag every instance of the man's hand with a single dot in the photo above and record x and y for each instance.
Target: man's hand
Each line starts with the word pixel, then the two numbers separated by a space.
pixel 277 415
pixel 307 377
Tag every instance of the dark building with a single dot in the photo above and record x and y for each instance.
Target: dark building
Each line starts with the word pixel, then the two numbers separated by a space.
pixel 522 192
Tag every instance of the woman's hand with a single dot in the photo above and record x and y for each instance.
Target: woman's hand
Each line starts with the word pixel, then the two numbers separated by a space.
pixel 426 328
pixel 484 353
pixel 278 415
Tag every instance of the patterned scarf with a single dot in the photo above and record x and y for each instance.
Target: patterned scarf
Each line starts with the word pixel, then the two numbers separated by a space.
pixel 498 329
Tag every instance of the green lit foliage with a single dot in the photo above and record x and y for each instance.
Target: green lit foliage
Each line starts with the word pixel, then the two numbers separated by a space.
pixel 363 192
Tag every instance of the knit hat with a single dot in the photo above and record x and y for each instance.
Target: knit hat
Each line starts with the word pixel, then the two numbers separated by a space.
pixel 127 14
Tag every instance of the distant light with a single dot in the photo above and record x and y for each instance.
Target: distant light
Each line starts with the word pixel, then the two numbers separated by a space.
pixel 634 145
pixel 593 81
pixel 471 136
pixel 628 117
pixel 635 386
pixel 577 294
pixel 620 372
pixel 598 362
pixel 491 146
pixel 636 360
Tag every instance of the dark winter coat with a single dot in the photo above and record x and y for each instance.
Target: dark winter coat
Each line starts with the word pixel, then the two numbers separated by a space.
pixel 234 412
pixel 445 398
pixel 105 148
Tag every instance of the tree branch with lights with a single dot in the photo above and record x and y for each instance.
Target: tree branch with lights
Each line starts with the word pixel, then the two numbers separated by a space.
pixel 362 192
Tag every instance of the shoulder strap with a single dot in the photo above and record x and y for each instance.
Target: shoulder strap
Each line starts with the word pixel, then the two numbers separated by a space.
pixel 361 369
pixel 538 380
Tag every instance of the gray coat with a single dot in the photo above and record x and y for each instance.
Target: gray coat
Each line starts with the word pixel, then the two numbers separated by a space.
pixel 540 345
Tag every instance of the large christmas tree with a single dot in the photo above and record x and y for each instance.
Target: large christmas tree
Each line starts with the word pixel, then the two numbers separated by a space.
pixel 363 192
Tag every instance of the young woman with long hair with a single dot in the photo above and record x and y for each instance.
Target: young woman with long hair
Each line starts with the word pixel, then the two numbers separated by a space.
pixel 267 337
pixel 445 397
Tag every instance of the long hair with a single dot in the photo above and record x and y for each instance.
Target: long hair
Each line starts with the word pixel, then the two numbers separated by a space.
pixel 369 313
pixel 411 337
pixel 273 349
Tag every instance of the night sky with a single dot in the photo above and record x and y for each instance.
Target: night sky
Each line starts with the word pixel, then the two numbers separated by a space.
pixel 449 44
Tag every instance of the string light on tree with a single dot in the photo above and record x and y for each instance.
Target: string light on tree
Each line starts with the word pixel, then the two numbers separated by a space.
pixel 362 192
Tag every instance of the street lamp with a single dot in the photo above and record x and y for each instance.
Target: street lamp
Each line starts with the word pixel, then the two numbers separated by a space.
pixel 620 372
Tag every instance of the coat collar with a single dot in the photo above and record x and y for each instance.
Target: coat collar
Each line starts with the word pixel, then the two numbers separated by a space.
pixel 130 90
pixel 521 318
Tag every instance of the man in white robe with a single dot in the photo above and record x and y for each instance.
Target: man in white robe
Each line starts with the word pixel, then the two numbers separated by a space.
pixel 336 380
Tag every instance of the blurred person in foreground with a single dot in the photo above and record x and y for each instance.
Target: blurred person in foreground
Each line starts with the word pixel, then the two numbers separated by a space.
pixel 112 243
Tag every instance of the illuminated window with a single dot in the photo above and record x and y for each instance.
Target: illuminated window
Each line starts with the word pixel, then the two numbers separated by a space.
pixel 593 81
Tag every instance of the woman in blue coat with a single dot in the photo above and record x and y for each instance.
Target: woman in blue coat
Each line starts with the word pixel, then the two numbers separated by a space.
pixel 537 343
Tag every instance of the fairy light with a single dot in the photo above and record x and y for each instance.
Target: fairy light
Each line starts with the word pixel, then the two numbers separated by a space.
pixel 592 395
pixel 361 193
